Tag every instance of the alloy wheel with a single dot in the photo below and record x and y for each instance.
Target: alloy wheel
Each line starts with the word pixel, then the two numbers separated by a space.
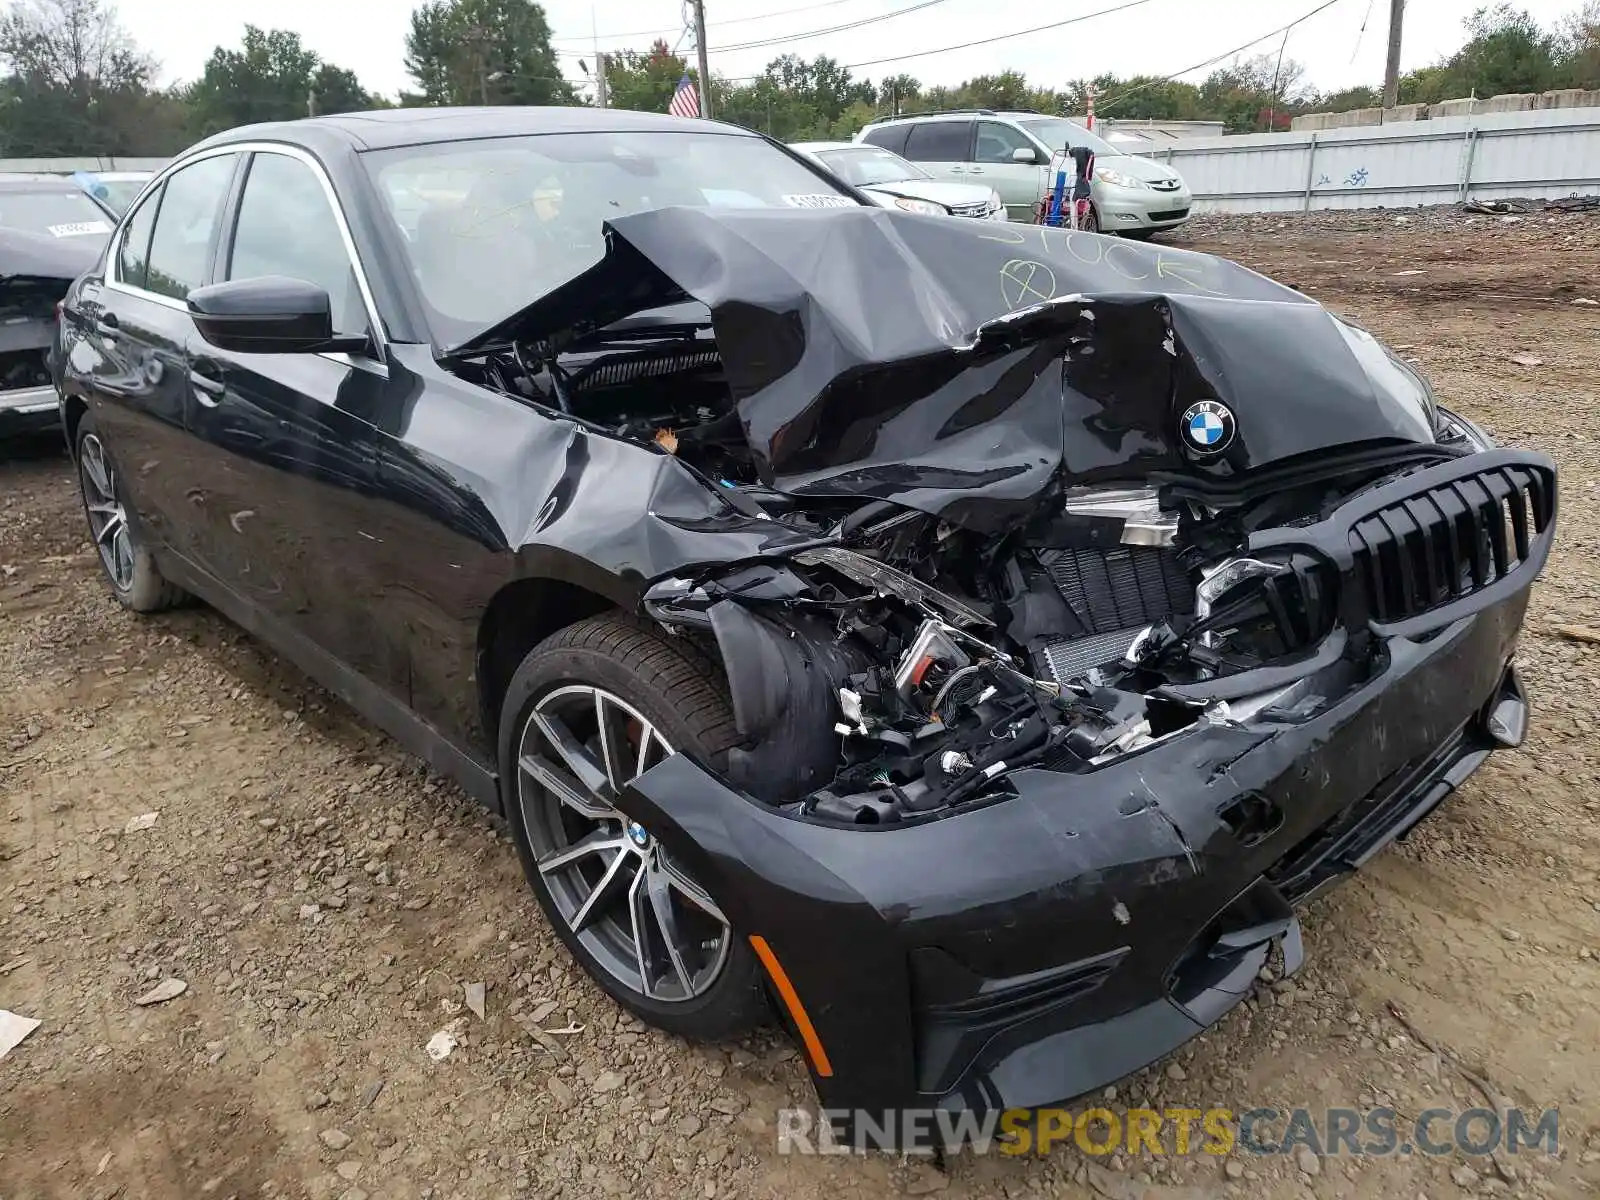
pixel 640 916
pixel 108 519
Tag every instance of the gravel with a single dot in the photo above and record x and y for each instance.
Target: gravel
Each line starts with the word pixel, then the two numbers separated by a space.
pixel 277 800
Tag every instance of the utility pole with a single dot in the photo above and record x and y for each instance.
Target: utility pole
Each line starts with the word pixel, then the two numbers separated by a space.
pixel 700 50
pixel 311 101
pixel 602 98
pixel 1391 74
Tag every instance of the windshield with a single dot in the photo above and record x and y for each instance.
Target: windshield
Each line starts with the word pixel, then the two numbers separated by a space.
pixel 1056 132
pixel 491 225
pixel 61 214
pixel 867 165
pixel 118 194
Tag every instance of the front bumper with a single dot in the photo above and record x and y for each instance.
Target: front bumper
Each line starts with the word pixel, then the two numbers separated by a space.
pixel 1123 209
pixel 28 410
pixel 1038 947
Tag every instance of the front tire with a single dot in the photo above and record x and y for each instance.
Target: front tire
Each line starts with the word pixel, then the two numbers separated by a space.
pixel 589 708
pixel 129 568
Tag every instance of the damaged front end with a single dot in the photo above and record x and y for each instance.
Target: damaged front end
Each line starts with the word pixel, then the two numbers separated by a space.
pixel 35 273
pixel 1119 600
pixel 869 696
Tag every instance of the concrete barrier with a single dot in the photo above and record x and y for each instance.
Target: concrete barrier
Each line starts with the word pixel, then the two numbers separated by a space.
pixel 1461 106
pixel 1510 102
pixel 1405 112
pixel 1571 98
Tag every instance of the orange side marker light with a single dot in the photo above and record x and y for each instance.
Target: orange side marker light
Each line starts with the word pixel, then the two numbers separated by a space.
pixel 791 1001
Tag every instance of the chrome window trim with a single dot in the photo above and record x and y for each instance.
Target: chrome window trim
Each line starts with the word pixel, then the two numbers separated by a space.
pixel 112 281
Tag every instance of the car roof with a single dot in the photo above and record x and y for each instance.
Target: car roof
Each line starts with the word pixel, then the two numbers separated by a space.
pixel 812 147
pixel 390 127
pixel 963 114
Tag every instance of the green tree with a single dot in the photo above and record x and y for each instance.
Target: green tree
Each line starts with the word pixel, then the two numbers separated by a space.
pixel 797 99
pixel 899 93
pixel 484 52
pixel 1005 91
pixel 1245 94
pixel 1506 51
pixel 1137 98
pixel 645 80
pixel 270 77
pixel 1580 46
pixel 76 83
pixel 1346 99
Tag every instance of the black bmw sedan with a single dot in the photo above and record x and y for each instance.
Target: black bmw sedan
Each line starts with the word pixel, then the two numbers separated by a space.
pixel 974 641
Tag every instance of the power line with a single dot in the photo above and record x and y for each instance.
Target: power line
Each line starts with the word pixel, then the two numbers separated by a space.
pixel 800 37
pixel 1150 83
pixel 782 12
pixel 998 38
pixel 1361 33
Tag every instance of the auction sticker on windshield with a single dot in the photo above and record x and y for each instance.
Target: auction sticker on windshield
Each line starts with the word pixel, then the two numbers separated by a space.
pixel 79 228
pixel 822 200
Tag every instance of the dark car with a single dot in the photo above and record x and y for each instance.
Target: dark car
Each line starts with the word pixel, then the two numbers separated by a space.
pixel 977 638
pixel 50 233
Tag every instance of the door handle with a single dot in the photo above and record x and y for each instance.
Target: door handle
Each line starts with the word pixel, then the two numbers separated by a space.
pixel 207 391
pixel 975 171
pixel 106 325
pixel 958 170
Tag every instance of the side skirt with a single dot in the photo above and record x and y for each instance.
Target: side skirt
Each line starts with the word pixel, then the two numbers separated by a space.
pixel 476 777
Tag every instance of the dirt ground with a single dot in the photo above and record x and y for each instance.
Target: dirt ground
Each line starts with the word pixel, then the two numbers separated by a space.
pixel 325 900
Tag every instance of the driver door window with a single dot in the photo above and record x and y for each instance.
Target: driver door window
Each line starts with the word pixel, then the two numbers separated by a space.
pixel 997 143
pixel 1019 184
pixel 286 227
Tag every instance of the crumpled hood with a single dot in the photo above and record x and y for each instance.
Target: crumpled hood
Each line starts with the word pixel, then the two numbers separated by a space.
pixel 968 369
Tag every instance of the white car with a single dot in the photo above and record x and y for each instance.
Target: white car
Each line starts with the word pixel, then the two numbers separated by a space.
pixel 1019 153
pixel 115 189
pixel 895 183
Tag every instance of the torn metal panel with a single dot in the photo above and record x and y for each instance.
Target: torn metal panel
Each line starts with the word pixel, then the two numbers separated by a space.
pixel 967 371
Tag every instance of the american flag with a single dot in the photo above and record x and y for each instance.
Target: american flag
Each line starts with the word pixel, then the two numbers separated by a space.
pixel 686 100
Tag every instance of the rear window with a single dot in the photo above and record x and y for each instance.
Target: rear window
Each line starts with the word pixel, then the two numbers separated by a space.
pixel 890 137
pixel 866 165
pixel 940 141
pixel 491 225
pixel 64 214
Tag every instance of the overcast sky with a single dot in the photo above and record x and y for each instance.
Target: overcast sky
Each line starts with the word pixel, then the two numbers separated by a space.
pixel 1155 36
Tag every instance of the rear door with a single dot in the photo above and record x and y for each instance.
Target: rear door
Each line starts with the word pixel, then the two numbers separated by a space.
pixel 1020 184
pixel 942 148
pixel 286 443
pixel 131 359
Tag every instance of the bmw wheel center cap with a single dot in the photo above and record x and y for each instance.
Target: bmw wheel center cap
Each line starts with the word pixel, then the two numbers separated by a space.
pixel 638 835
pixel 1207 427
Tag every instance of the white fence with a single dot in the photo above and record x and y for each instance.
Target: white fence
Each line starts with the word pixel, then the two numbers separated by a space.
pixel 1539 155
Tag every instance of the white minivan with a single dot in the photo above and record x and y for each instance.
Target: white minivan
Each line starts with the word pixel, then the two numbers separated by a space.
pixel 1011 152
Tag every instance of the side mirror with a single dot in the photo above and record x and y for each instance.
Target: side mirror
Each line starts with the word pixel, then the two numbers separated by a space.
pixel 272 314
pixel 1023 154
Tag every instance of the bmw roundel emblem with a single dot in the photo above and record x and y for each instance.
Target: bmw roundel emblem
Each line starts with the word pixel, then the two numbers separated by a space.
pixel 1207 427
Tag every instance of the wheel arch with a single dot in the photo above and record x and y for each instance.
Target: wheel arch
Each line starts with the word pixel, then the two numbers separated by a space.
pixel 73 408
pixel 523 613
